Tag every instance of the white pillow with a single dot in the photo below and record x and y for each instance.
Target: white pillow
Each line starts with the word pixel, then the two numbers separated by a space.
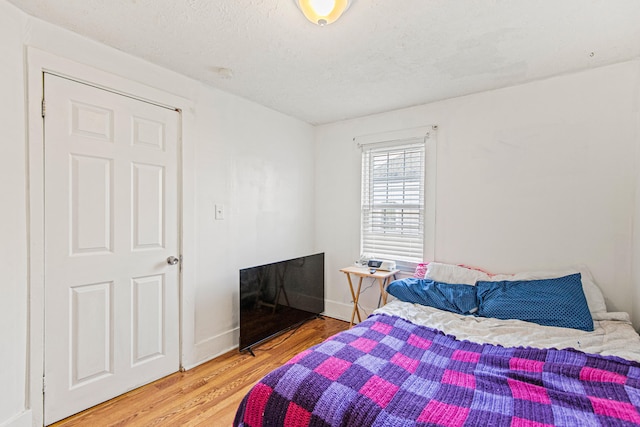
pixel 449 273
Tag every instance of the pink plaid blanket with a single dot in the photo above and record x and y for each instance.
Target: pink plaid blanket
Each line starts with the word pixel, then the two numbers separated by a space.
pixel 387 371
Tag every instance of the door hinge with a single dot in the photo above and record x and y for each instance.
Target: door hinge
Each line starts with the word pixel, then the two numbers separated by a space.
pixel 181 263
pixel 44 385
pixel 43 108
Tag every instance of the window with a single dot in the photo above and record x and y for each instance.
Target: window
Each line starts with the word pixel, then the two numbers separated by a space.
pixel 393 200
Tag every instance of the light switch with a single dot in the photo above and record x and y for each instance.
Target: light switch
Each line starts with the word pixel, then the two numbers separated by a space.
pixel 219 211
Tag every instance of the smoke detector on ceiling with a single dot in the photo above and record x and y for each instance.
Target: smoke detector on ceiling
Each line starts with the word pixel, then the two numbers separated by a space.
pixel 223 72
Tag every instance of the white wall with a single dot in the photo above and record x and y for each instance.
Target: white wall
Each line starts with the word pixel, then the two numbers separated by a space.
pixel 256 162
pixel 635 260
pixel 536 176
pixel 13 228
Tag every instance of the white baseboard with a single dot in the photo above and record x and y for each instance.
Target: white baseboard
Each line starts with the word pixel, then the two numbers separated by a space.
pixel 213 347
pixel 21 420
pixel 342 311
pixel 337 310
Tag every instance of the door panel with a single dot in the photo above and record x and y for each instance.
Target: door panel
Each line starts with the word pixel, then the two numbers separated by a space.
pixel 148 313
pixel 91 332
pixel 91 121
pixel 148 207
pixel 91 201
pixel 111 221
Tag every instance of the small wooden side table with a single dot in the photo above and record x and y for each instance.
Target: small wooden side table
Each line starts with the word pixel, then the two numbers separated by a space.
pixel 384 277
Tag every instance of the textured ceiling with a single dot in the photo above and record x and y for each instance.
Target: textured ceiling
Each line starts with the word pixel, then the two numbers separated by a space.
pixel 382 55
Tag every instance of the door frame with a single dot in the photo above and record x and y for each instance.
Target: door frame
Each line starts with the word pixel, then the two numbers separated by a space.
pixel 39 62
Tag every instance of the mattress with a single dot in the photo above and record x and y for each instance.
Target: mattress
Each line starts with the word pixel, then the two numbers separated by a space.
pixel 613 334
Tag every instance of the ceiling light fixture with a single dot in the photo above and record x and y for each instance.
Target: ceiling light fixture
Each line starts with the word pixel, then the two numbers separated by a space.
pixel 323 12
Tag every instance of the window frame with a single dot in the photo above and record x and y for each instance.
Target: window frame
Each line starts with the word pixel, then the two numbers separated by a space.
pixel 395 140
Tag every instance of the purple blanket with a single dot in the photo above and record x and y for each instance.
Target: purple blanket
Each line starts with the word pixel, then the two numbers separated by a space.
pixel 387 371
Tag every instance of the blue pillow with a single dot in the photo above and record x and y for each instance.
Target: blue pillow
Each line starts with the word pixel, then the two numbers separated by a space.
pixel 456 298
pixel 550 302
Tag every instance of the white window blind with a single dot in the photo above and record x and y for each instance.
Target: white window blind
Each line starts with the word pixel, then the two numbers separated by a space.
pixel 393 200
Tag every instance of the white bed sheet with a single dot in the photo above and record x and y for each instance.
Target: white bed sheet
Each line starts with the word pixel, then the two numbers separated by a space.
pixel 613 336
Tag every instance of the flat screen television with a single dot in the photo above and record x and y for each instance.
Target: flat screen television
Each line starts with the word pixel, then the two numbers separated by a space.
pixel 279 296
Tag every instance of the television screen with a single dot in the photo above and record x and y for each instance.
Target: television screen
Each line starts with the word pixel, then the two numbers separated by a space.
pixel 276 297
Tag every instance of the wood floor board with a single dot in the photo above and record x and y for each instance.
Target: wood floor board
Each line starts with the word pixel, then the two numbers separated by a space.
pixel 209 394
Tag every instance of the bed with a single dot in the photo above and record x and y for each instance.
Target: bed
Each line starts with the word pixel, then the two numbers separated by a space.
pixel 445 362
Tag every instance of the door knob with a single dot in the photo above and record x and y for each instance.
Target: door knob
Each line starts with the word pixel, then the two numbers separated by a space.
pixel 172 260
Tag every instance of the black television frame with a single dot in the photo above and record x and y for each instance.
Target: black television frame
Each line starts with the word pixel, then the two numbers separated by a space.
pixel 271 298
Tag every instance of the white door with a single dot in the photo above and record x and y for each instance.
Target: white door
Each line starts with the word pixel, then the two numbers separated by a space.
pixel 111 223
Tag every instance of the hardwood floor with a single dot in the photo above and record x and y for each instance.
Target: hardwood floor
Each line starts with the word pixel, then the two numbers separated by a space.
pixel 209 394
